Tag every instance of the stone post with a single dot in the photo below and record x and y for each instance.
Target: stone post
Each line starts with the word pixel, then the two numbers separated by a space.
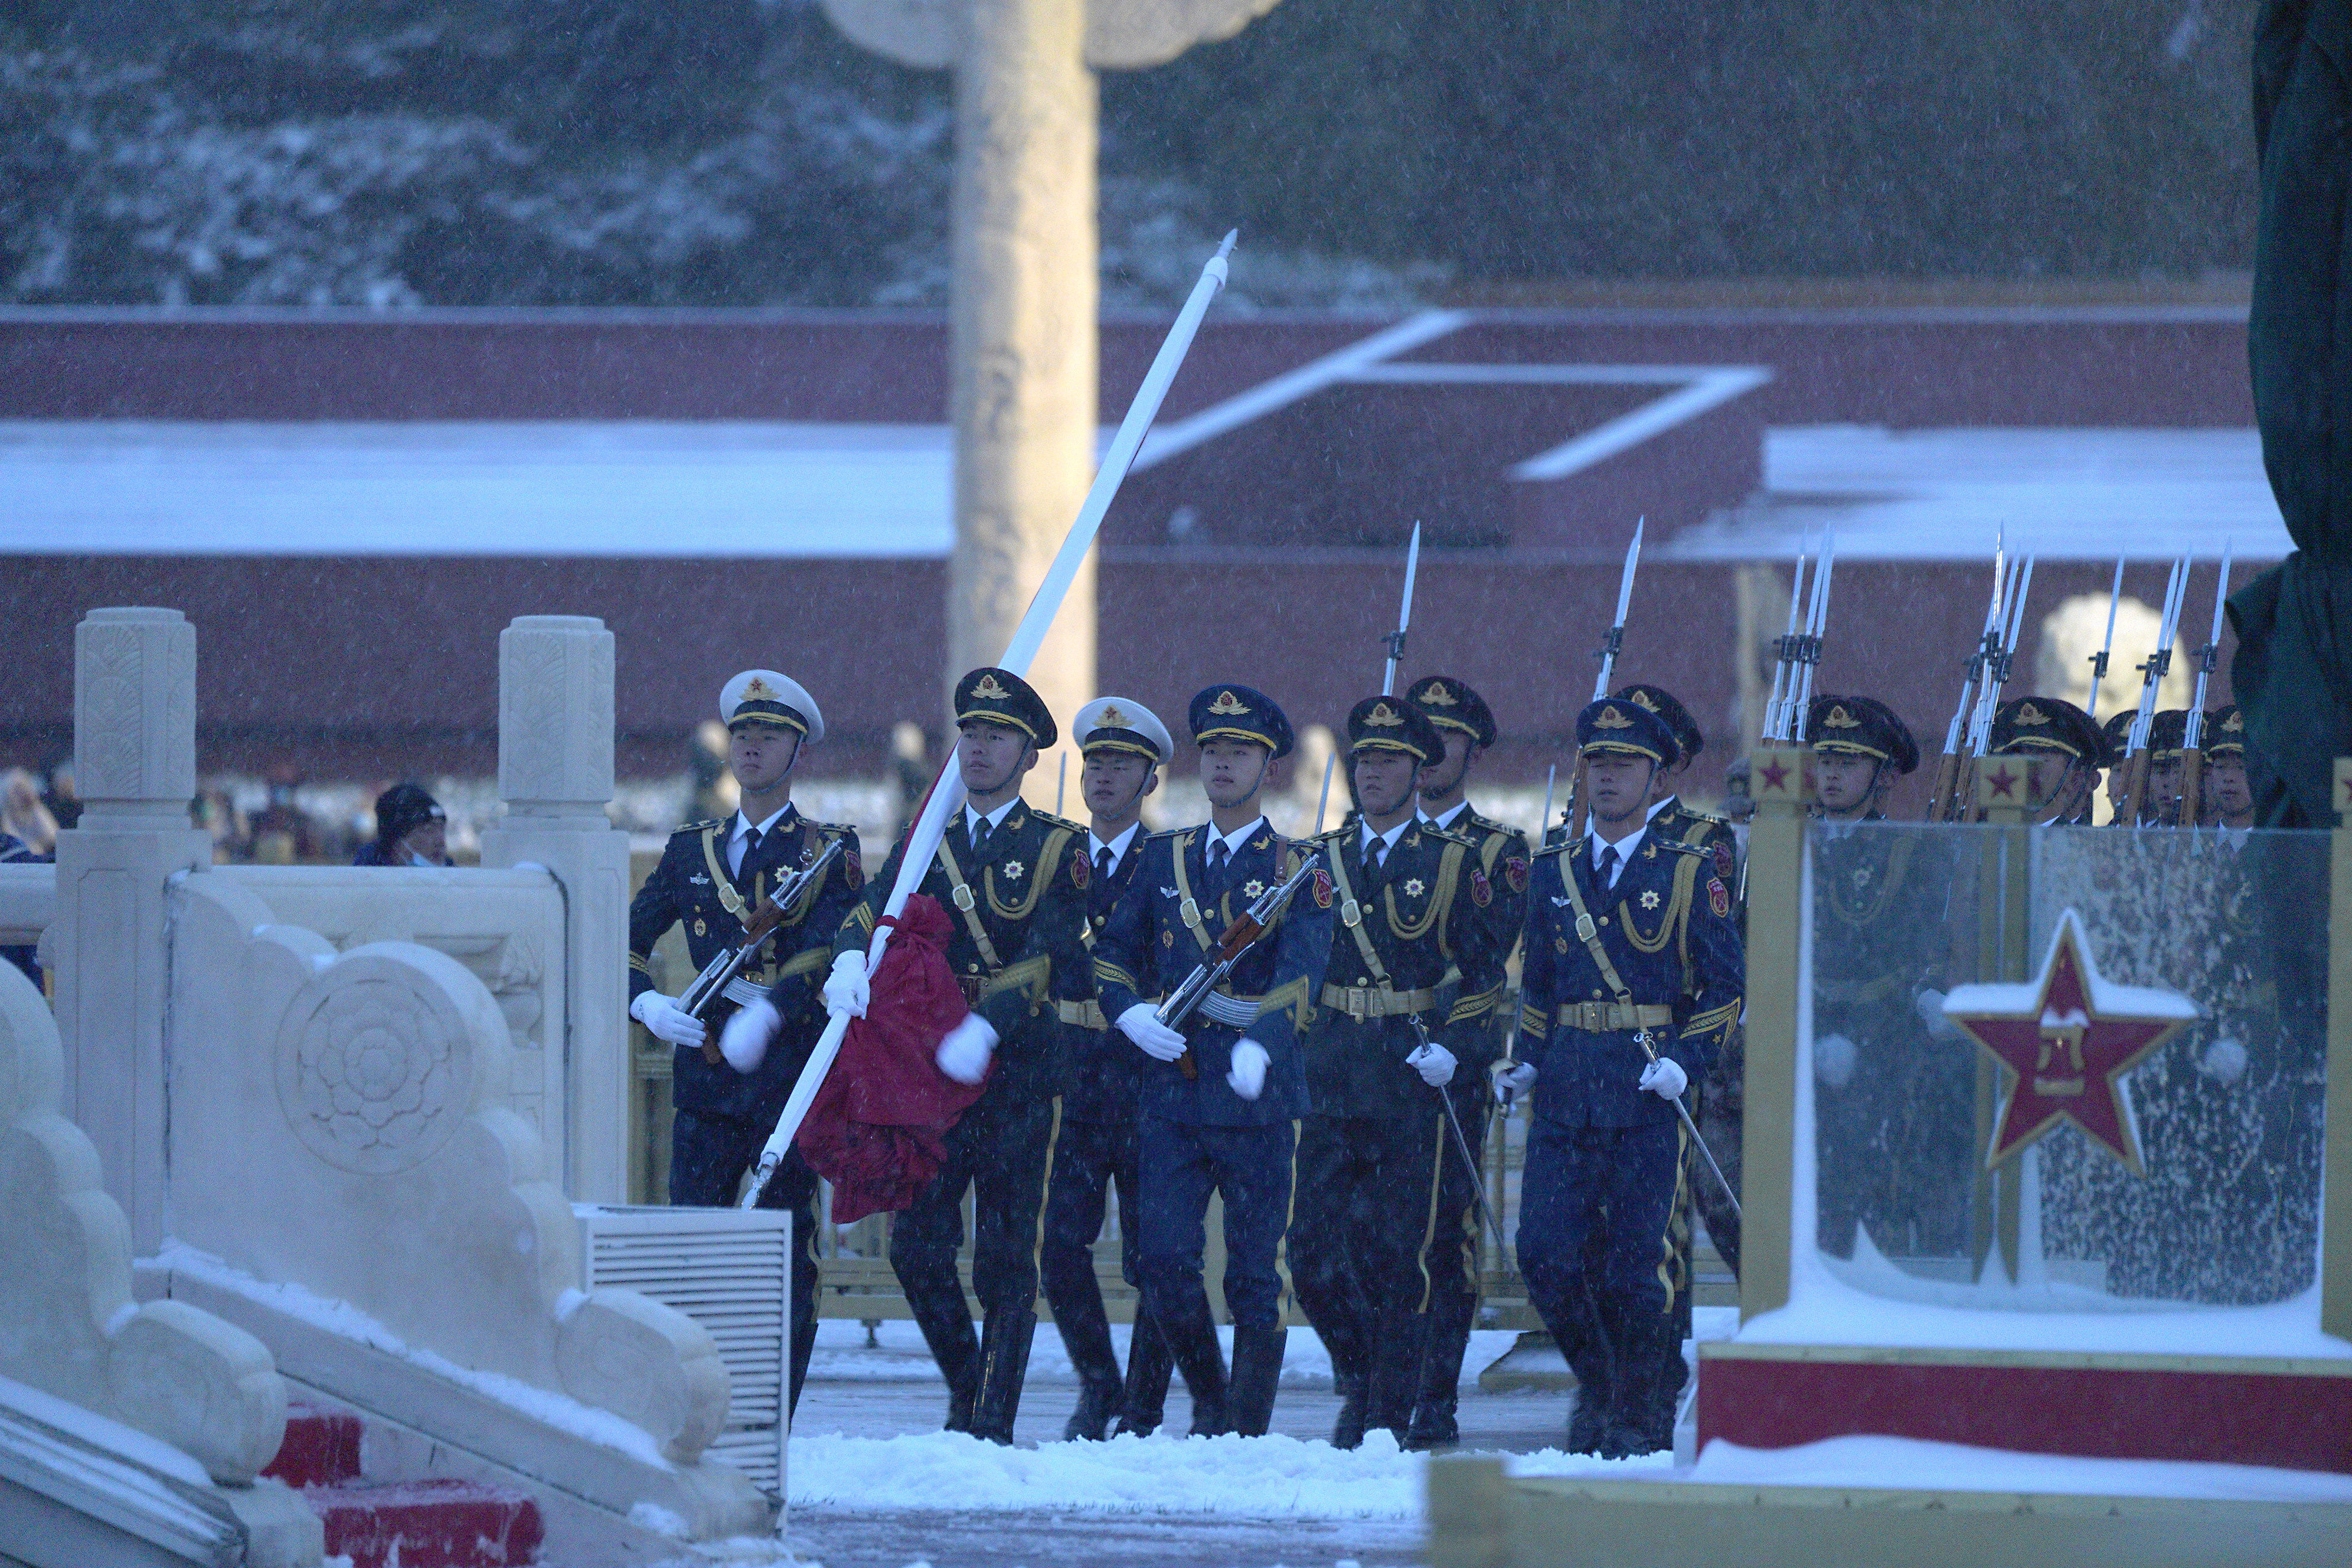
pixel 555 775
pixel 1022 340
pixel 135 764
pixel 1777 781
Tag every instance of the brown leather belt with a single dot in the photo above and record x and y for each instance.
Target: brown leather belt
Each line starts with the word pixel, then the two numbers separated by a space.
pixel 1612 1017
pixel 1361 1001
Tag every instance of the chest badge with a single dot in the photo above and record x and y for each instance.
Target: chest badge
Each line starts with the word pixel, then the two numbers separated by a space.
pixel 699 929
pixel 1560 942
pixel 699 880
pixel 1167 937
pixel 1649 898
pixel 1861 877
pixel 1012 870
pixel 1414 887
pixel 1252 889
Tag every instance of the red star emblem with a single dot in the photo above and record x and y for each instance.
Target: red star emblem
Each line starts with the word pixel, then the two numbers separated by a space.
pixel 1774 772
pixel 2064 1039
pixel 2002 781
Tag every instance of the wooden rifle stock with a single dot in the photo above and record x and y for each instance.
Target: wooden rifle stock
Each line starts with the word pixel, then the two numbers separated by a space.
pixel 2135 788
pixel 1944 799
pixel 2192 771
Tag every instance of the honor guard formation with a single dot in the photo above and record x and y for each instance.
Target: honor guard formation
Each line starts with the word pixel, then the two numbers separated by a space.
pixel 1318 1032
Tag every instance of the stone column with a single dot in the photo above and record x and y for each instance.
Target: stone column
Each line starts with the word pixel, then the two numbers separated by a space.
pixel 135 762
pixel 555 775
pixel 1022 330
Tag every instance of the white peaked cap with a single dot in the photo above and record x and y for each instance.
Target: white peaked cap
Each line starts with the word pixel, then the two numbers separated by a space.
pixel 776 697
pixel 1111 724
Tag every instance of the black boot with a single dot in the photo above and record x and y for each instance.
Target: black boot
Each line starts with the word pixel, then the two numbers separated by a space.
pixel 1144 1400
pixel 1588 1424
pixel 1434 1425
pixel 1087 1336
pixel 1192 1337
pixel 1585 1345
pixel 1003 1365
pixel 1257 1374
pixel 946 1324
pixel 1347 1431
pixel 1636 1426
pixel 1395 1381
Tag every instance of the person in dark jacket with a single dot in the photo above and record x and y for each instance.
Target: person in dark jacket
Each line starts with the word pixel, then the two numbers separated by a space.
pixel 1415 948
pixel 1124 745
pixel 1221 1095
pixel 411 829
pixel 1014 879
pixel 727 1089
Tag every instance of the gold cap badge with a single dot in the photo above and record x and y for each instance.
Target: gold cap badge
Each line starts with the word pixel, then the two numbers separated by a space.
pixel 2234 722
pixel 1437 694
pixel 1112 718
pixel 1227 702
pixel 1384 716
pixel 987 687
pixel 1642 700
pixel 2030 714
pixel 1612 719
pixel 758 690
pixel 1839 719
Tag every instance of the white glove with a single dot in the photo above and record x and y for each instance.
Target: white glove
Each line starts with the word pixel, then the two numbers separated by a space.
pixel 1513 1080
pixel 1141 1024
pixel 744 1041
pixel 844 988
pixel 1434 1062
pixel 2225 1061
pixel 963 1055
pixel 1665 1078
pixel 1833 1057
pixel 1940 1026
pixel 665 1020
pixel 1248 1078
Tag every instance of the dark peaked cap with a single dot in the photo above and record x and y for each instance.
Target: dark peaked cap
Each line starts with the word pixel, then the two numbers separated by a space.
pixel 1000 697
pixel 1392 724
pixel 1451 705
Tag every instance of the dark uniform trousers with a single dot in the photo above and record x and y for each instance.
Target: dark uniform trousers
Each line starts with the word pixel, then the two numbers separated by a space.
pixel 723 1118
pixel 1088 1159
pixel 1017 904
pixel 1196 1135
pixel 1503 865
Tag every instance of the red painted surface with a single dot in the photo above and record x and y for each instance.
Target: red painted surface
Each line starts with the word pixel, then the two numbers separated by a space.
pixel 2242 1419
pixel 431 1523
pixel 321 1448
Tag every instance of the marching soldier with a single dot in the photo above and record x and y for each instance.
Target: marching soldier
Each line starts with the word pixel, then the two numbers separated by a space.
pixel 1220 1097
pixel 1014 880
pixel 1633 973
pixel 1416 949
pixel 713 876
pixel 1721 1099
pixel 1896 1085
pixel 1466 726
pixel 2228 797
pixel 2061 748
pixel 1124 745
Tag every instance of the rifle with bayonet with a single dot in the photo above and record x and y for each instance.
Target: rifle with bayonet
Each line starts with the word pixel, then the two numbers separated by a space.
pixel 1395 639
pixel 1944 797
pixel 1607 656
pixel 1995 675
pixel 2099 659
pixel 723 975
pixel 1199 991
pixel 2152 673
pixel 2192 743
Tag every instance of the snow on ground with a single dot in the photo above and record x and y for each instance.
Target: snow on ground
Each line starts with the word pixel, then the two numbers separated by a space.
pixel 898 1355
pixel 1274 1477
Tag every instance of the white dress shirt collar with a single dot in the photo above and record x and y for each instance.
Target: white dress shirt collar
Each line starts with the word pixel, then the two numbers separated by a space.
pixel 995 819
pixel 1625 846
pixel 735 840
pixel 1118 846
pixel 1387 841
pixel 1233 840
pixel 1454 814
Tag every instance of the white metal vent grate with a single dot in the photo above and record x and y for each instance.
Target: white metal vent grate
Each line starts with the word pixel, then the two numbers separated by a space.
pixel 730 1270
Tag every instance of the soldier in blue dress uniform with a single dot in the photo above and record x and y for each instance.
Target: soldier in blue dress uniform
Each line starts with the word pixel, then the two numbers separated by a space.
pixel 1013 881
pixel 1124 745
pixel 712 877
pixel 1220 1096
pixel 1466 725
pixel 1629 950
pixel 1415 946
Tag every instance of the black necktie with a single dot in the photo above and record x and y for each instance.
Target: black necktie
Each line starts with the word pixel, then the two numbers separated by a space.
pixel 1104 862
pixel 744 868
pixel 1606 869
pixel 982 830
pixel 1216 877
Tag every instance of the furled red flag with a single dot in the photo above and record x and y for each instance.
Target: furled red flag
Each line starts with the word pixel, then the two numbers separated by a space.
pixel 878 1130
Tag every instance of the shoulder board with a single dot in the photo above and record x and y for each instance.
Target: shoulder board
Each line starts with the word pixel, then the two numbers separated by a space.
pixel 1679 846
pixel 699 827
pixel 1717 818
pixel 1329 836
pixel 1050 820
pixel 1166 833
pixel 1447 836
pixel 832 829
pixel 1560 847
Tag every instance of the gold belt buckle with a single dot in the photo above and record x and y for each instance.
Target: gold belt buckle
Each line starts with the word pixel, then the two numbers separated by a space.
pixel 961 897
